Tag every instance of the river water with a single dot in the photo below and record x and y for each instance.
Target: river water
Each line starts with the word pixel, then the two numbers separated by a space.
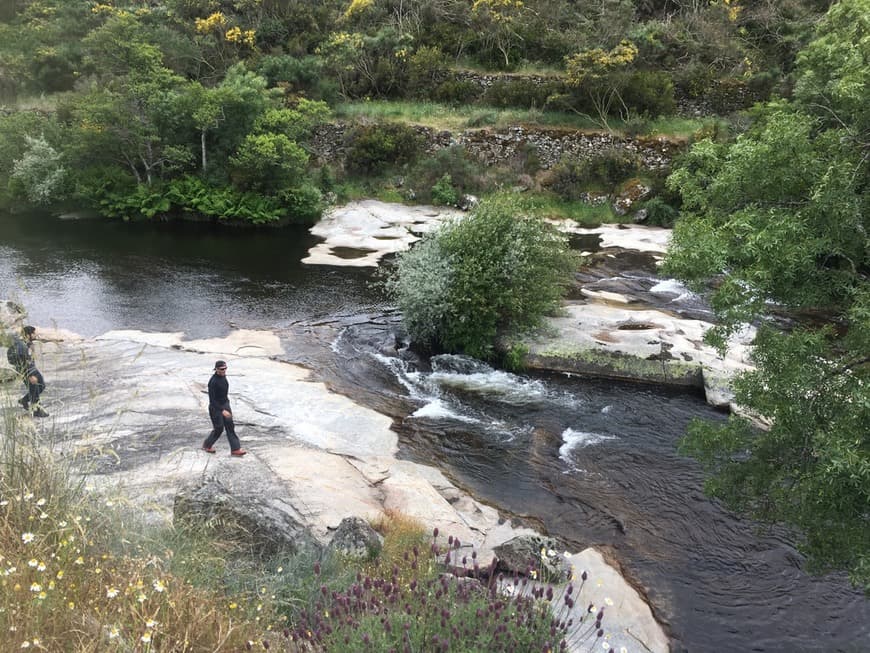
pixel 589 462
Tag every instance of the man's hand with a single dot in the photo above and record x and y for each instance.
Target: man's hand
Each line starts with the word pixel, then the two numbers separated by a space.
pixel 227 414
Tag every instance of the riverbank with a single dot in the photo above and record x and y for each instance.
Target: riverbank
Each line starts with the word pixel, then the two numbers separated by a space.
pixel 130 409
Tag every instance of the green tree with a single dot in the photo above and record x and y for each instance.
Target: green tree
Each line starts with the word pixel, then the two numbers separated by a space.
pixel 40 174
pixel 779 217
pixel 122 115
pixel 268 163
pixel 208 114
pixel 594 72
pixel 498 270
pixel 498 22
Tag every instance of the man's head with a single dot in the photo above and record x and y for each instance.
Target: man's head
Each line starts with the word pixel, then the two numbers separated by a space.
pixel 220 367
pixel 29 332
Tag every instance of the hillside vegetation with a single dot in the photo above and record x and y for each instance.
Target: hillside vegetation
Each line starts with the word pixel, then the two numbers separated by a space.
pixel 206 107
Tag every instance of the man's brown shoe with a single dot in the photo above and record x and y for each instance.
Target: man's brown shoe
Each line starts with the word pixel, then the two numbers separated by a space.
pixel 208 449
pixel 238 452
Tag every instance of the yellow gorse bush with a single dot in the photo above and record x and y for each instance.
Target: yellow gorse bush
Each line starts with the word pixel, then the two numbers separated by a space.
pixel 215 22
pixel 596 62
pixel 238 35
pixel 357 7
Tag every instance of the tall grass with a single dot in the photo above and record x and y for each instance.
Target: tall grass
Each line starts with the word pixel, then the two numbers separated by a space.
pixel 440 116
pixel 71 580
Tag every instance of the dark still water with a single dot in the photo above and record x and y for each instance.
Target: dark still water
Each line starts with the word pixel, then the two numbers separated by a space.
pixel 590 462
pixel 90 276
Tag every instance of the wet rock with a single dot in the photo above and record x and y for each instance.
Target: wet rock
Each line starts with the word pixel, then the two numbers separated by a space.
pixel 649 345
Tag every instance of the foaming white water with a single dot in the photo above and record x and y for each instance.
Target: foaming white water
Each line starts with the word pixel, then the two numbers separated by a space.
pixel 437 409
pixel 673 287
pixel 494 384
pixel 470 376
pixel 579 439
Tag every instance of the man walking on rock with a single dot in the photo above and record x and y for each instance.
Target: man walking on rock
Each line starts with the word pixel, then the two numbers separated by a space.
pixel 21 356
pixel 220 413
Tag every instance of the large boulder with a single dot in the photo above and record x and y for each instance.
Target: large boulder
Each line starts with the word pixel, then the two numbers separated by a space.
pixel 355 538
pixel 535 552
pixel 261 522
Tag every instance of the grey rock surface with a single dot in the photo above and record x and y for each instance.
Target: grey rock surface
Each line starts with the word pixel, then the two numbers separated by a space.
pixel 128 410
pixel 533 552
pixel 355 538
pixel 245 510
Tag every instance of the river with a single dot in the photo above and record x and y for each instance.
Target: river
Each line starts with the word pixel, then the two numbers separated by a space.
pixel 589 462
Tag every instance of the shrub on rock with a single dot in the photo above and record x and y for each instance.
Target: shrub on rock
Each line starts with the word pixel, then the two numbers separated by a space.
pixel 496 271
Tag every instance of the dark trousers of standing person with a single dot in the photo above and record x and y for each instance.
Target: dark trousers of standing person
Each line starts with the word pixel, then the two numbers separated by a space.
pixel 33 389
pixel 220 423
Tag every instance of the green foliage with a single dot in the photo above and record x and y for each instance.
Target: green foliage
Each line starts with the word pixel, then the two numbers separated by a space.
pixel 811 467
pixel 780 216
pixel 571 178
pixel 295 123
pixel 694 80
pixel 374 148
pixel 191 194
pixel 579 211
pixel 39 175
pixel 302 203
pixel 121 197
pixel 779 209
pixel 649 93
pixel 495 271
pixel 268 163
pixel 453 162
pixel 660 212
pixel 443 192
pixel 456 92
pixel 427 68
pixel 521 92
pixel 513 359
pixel 141 200
pixel 834 76
pixel 298 75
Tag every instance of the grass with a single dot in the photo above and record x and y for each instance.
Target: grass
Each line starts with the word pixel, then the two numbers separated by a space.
pixel 72 580
pixel 548 205
pixel 445 117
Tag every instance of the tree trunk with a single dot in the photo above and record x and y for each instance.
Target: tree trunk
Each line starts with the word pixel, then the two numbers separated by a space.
pixel 202 146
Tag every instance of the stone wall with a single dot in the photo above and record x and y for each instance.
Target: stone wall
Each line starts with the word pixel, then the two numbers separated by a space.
pixel 496 146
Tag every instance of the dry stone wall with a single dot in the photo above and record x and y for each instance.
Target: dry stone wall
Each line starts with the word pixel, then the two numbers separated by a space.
pixel 496 146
